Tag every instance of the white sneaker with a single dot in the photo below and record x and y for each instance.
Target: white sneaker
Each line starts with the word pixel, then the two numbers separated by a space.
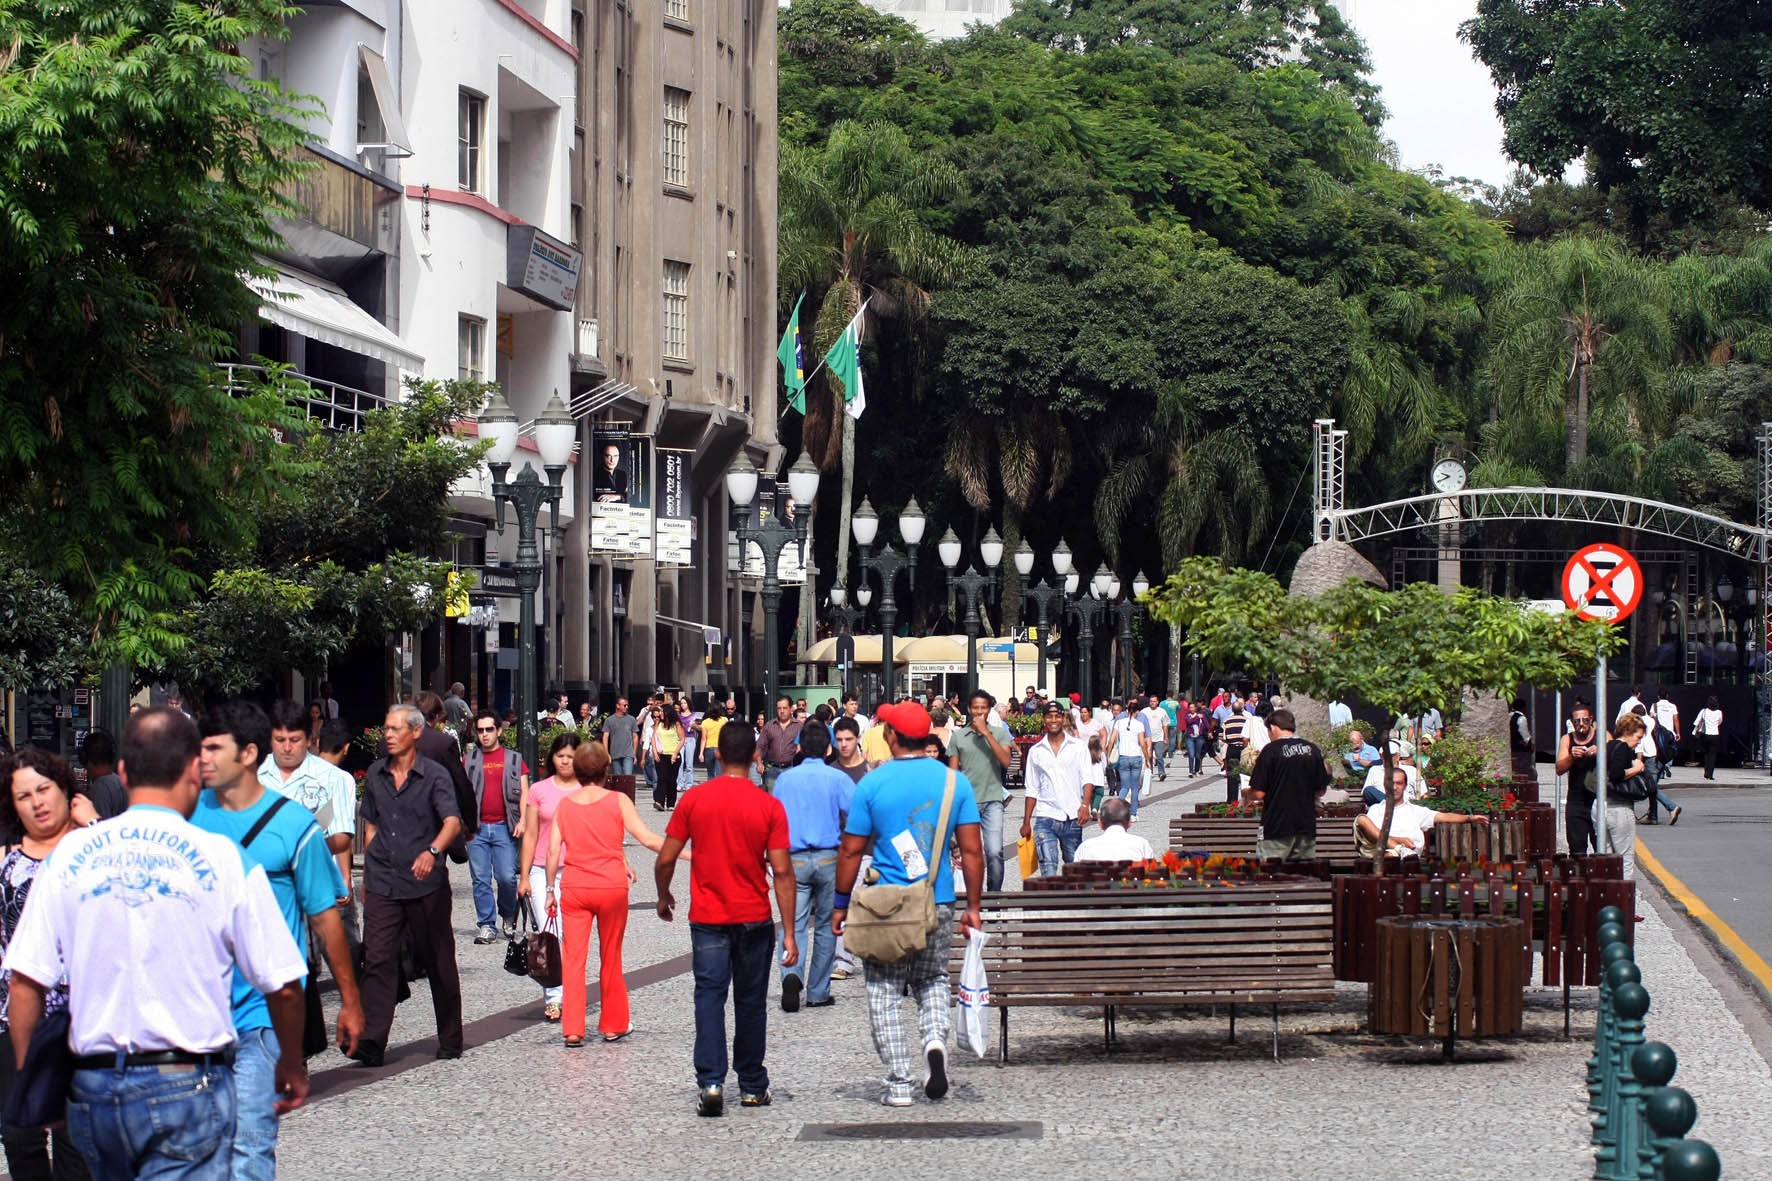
pixel 487 935
pixel 890 1099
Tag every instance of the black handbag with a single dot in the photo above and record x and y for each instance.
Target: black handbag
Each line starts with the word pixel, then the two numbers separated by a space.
pixel 544 958
pixel 1634 789
pixel 39 1095
pixel 517 948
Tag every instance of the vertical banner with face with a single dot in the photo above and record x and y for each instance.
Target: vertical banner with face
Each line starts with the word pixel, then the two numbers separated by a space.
pixel 675 507
pixel 621 491
pixel 773 502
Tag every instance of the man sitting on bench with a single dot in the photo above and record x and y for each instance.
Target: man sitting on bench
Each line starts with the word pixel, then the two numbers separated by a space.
pixel 1409 822
pixel 1114 843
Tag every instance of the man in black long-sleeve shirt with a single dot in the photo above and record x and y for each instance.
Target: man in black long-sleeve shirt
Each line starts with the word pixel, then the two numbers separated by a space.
pixel 1289 776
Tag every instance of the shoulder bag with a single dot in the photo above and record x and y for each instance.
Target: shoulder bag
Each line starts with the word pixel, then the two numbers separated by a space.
pixel 517 948
pixel 544 956
pixel 889 924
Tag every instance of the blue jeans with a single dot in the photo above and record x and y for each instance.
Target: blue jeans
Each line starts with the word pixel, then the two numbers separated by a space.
pixel 1371 795
pixel 1131 775
pixel 138 1122
pixel 990 817
pixel 255 1115
pixel 1196 753
pixel 651 770
pixel 1158 751
pixel 492 859
pixel 1055 843
pixel 815 875
pixel 621 766
pixel 734 955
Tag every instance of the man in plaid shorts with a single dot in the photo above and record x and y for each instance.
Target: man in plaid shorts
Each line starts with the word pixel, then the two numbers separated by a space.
pixel 895 811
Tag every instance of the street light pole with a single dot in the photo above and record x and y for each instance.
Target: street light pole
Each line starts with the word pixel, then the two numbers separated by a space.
pixel 887 563
pixel 1088 608
pixel 1126 609
pixel 1043 594
pixel 771 536
pixel 972 585
pixel 845 617
pixel 555 433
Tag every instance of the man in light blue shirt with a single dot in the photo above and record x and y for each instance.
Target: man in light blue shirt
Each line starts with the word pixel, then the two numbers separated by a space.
pixel 1361 754
pixel 816 797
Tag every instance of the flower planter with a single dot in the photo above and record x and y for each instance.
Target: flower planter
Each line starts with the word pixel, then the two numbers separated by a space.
pixel 1448 976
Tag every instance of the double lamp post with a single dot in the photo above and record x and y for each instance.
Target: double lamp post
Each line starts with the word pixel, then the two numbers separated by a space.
pixel 973 586
pixel 771 537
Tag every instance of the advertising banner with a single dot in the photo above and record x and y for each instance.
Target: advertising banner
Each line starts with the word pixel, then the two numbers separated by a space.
pixel 621 491
pixel 773 502
pixel 675 507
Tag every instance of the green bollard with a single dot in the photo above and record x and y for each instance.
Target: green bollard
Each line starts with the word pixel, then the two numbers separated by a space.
pixel 1691 1160
pixel 1653 1066
pixel 1671 1114
pixel 1619 972
pixel 1611 933
pixel 1619 1157
pixel 1612 914
pixel 1630 1002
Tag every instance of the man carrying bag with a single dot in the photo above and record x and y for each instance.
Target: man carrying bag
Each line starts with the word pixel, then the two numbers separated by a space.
pixel 911 811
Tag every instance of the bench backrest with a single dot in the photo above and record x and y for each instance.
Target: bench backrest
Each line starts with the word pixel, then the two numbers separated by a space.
pixel 1236 836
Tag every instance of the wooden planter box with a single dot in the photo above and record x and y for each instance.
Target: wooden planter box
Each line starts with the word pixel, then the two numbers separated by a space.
pixel 1499 840
pixel 1448 976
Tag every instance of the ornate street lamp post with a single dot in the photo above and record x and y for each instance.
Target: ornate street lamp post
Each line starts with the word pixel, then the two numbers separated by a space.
pixel 972 586
pixel 771 536
pixel 1042 593
pixel 555 433
pixel 1088 607
pixel 887 563
pixel 845 617
pixel 1126 609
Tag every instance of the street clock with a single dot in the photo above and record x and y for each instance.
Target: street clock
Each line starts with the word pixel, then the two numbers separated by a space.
pixel 1448 476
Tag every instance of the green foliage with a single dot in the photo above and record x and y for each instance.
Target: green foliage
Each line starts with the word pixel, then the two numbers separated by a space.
pixel 141 165
pixel 40 634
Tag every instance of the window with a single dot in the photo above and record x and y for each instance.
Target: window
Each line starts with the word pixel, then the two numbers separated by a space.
pixel 470 135
pixel 676 311
pixel 676 136
pixel 470 348
pixel 677 10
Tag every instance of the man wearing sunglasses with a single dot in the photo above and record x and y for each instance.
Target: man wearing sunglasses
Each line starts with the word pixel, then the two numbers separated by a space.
pixel 492 854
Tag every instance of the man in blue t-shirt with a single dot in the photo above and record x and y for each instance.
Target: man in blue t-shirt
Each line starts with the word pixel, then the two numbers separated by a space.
pixel 281 836
pixel 895 812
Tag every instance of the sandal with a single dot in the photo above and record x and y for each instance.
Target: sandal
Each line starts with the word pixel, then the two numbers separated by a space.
pixel 573 1043
pixel 616 1037
pixel 551 1011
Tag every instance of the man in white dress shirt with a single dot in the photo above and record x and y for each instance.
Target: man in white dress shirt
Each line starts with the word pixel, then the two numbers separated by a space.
pixel 1114 843
pixel 1057 775
pixel 147 916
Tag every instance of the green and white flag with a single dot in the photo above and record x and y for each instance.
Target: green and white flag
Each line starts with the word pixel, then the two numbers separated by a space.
pixel 844 362
pixel 791 353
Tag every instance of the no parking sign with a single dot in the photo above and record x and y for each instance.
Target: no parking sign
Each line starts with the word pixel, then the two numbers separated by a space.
pixel 1602 582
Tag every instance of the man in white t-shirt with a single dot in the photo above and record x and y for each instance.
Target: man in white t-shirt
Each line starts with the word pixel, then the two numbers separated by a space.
pixel 1057 807
pixel 1409 821
pixel 1114 843
pixel 1156 722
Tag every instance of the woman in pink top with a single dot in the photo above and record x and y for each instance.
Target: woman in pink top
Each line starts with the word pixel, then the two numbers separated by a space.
pixel 585 851
pixel 538 820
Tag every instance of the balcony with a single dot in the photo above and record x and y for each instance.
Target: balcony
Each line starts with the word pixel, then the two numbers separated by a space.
pixel 336 407
pixel 587 366
pixel 348 212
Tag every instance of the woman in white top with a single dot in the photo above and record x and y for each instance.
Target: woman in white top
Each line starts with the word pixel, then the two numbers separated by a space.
pixel 1708 725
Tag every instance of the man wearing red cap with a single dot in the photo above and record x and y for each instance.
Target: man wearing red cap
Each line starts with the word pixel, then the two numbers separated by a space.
pixel 895 811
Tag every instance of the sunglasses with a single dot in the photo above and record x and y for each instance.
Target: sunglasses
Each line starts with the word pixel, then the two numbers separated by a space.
pixel 486 729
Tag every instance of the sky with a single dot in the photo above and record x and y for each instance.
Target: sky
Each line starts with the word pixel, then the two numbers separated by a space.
pixel 1441 99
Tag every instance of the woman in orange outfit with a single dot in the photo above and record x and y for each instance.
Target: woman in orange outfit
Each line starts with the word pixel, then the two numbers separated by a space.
pixel 587 841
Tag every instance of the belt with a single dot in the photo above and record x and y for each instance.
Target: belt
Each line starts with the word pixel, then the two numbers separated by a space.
pixel 119 1060
pixel 812 849
pixel 778 766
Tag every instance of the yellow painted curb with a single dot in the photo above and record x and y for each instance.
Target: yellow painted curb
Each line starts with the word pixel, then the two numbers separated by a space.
pixel 1744 955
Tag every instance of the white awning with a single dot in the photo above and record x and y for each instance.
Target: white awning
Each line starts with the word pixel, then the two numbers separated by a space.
pixel 395 142
pixel 312 307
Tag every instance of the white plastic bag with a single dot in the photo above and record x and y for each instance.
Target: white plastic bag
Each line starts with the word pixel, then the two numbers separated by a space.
pixel 975 998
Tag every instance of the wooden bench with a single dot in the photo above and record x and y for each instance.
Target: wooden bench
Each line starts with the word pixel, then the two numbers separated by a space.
pixel 1169 946
pixel 1235 836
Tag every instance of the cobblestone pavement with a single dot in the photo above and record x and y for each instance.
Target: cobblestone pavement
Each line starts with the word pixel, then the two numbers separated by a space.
pixel 1176 1099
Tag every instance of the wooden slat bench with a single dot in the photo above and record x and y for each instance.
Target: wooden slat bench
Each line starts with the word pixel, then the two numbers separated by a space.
pixel 1235 836
pixel 1246 944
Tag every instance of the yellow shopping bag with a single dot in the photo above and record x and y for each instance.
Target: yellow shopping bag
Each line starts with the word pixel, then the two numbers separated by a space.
pixel 1030 860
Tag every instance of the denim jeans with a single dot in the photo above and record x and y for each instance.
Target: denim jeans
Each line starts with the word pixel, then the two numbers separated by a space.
pixel 255 1115
pixel 734 955
pixel 1196 753
pixel 140 1122
pixel 622 766
pixel 1159 749
pixel 815 877
pixel 492 860
pixel 1055 843
pixel 1372 795
pixel 990 818
pixel 1131 776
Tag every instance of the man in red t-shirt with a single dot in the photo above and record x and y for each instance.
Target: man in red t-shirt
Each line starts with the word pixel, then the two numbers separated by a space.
pixel 500 781
pixel 737 830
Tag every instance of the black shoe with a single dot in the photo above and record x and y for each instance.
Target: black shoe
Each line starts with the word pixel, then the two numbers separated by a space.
pixel 936 1055
pixel 448 1053
pixel 712 1102
pixel 368 1053
pixel 824 1004
pixel 756 1098
pixel 790 994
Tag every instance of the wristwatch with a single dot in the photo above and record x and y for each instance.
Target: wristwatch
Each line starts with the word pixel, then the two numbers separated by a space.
pixel 436 852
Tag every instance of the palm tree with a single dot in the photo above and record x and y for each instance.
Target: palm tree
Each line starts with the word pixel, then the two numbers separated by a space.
pixel 852 232
pixel 1577 319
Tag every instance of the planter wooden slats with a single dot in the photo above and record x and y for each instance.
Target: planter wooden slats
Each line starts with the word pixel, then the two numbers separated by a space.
pixel 1443 976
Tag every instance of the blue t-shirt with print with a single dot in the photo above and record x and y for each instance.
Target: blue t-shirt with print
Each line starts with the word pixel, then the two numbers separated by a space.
pixel 304 876
pixel 904 795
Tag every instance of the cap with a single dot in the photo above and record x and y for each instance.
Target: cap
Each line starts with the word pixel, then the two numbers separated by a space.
pixel 1076 699
pixel 908 718
pixel 1053 707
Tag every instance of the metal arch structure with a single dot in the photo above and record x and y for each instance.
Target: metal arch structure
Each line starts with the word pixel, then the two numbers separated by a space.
pixel 1334 521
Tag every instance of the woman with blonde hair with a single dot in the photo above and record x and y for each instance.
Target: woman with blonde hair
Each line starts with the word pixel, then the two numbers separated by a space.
pixel 590 876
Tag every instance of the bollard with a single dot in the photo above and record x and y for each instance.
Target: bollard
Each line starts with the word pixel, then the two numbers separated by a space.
pixel 1691 1160
pixel 1630 1001
pixel 1626 1136
pixel 1612 953
pixel 1653 1067
pixel 1618 974
pixel 1611 914
pixel 1671 1113
pixel 1610 933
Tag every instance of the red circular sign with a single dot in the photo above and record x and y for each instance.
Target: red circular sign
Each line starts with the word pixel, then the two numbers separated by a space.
pixel 1602 582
